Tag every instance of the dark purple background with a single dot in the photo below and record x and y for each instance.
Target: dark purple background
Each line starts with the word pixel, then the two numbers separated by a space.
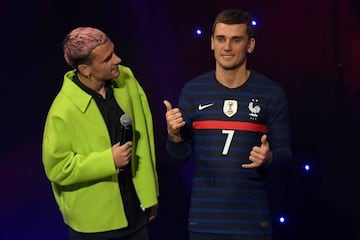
pixel 311 47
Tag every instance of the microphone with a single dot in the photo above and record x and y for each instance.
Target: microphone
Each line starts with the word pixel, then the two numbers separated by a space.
pixel 126 128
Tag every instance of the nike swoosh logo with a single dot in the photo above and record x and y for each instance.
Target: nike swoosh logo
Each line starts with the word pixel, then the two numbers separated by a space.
pixel 202 107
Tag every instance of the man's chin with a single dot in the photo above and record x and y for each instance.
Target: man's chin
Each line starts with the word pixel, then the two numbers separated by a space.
pixel 115 73
pixel 229 66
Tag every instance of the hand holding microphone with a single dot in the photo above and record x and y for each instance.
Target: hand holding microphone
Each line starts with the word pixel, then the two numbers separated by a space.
pixel 122 151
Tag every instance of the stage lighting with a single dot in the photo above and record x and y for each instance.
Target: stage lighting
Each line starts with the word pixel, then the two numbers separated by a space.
pixel 307 167
pixel 254 22
pixel 198 32
pixel 282 220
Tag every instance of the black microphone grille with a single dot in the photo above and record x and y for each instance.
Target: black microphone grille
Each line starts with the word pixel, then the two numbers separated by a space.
pixel 125 120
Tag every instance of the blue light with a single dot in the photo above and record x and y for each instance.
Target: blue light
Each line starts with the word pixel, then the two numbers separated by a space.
pixel 198 32
pixel 282 220
pixel 307 167
pixel 254 22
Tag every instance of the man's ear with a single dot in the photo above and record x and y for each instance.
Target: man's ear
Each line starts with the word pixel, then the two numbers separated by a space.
pixel 251 45
pixel 84 69
pixel 212 43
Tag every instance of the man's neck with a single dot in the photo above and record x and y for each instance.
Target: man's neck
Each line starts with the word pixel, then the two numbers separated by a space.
pixel 97 86
pixel 232 78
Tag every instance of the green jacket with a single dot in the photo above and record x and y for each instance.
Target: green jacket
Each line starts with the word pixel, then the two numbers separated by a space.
pixel 78 160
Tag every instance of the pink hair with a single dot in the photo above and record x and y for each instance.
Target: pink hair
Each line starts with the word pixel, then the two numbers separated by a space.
pixel 79 43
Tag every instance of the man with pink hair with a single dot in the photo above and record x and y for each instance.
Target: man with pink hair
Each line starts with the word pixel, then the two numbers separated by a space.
pixel 105 188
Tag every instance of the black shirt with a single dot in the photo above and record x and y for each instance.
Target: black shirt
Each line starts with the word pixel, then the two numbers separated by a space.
pixel 111 113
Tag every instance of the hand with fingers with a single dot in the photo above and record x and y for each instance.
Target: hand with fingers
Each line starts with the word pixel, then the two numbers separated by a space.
pixel 153 211
pixel 121 154
pixel 260 155
pixel 174 121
